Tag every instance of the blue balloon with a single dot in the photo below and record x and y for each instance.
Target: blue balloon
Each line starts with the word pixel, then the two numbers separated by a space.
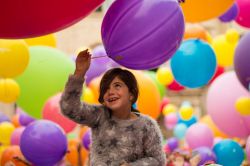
pixel 180 130
pixel 189 122
pixel 228 153
pixel 194 64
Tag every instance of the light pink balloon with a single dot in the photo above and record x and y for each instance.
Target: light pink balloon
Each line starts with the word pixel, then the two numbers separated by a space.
pixel 199 135
pixel 16 135
pixel 221 98
pixel 248 148
pixel 51 111
pixel 170 120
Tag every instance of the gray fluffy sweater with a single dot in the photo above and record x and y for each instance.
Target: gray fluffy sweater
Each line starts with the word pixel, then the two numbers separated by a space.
pixel 114 141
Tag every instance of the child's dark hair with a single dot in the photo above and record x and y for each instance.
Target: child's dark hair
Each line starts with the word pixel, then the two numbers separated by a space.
pixel 126 76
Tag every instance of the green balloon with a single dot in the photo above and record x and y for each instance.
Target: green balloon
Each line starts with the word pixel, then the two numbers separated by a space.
pixel 161 88
pixel 45 76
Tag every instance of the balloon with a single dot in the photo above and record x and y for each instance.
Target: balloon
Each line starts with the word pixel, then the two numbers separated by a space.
pixel 229 153
pixel 48 69
pixel 172 143
pixel 175 86
pixel 15 120
pixel 3 117
pixel 9 90
pixel 14 57
pixel 49 143
pixel 196 10
pixel 189 122
pixel 243 17
pixel 164 76
pixel 160 87
pixel 224 48
pixel 170 120
pixel 230 14
pixel 170 108
pixel 86 140
pixel 25 119
pixel 16 136
pixel 227 89
pixel 48 40
pixel 165 101
pixel 195 32
pixel 243 105
pixel 186 112
pixel 88 96
pixel 180 130
pixel 248 148
pixel 51 111
pixel 194 64
pixel 199 135
pixel 6 129
pixel 145 45
pixel 209 122
pixel 8 156
pixel 206 154
pixel 41 17
pixel 241 59
pixel 218 72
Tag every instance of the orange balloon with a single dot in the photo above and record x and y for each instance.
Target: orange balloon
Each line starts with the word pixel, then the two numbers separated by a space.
pixel 82 131
pixel 149 99
pixel 209 122
pixel 195 32
pixel 15 120
pixel 9 154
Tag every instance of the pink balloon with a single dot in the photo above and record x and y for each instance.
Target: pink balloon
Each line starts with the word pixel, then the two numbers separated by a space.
pixel 16 136
pixel 51 111
pixel 199 135
pixel 170 120
pixel 221 98
pixel 243 17
pixel 248 148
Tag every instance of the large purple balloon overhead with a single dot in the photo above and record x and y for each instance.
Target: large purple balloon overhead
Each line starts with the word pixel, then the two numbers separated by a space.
pixel 142 34
pixel 242 60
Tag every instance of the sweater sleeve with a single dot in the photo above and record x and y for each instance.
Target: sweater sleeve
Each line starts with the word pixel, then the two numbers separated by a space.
pixel 154 154
pixel 74 109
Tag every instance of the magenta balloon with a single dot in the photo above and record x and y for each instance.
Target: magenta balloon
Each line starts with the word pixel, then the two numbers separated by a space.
pixel 221 98
pixel 16 136
pixel 41 17
pixel 248 148
pixel 199 135
pixel 230 14
pixel 142 34
pixel 242 59
pixel 243 17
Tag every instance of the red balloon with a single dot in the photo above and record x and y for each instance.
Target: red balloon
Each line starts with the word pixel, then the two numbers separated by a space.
pixel 52 112
pixel 175 86
pixel 32 18
pixel 218 72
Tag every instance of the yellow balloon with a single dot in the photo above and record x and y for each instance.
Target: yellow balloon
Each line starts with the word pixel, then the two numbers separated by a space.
pixel 169 108
pixel 48 40
pixel 6 130
pixel 224 51
pixel 243 106
pixel 209 38
pixel 209 122
pixel 186 112
pixel 14 57
pixel 197 10
pixel 9 90
pixel 88 96
pixel 164 76
pixel 232 36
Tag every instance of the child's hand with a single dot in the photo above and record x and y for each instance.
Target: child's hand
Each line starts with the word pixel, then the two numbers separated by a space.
pixel 82 63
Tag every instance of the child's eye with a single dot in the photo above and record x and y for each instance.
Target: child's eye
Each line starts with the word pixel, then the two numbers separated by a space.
pixel 117 85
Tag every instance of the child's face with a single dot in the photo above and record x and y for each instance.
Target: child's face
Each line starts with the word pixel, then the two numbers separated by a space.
pixel 117 97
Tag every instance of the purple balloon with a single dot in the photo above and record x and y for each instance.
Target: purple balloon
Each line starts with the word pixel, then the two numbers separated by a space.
pixel 230 14
pixel 172 143
pixel 142 34
pixel 206 155
pixel 86 140
pixel 3 118
pixel 242 59
pixel 43 143
pixel 25 119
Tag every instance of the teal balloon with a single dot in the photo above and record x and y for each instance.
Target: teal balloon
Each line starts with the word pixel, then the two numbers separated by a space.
pixel 45 76
pixel 161 88
pixel 180 130
pixel 194 63
pixel 228 153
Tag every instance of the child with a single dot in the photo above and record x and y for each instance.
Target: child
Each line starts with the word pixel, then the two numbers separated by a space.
pixel 121 136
